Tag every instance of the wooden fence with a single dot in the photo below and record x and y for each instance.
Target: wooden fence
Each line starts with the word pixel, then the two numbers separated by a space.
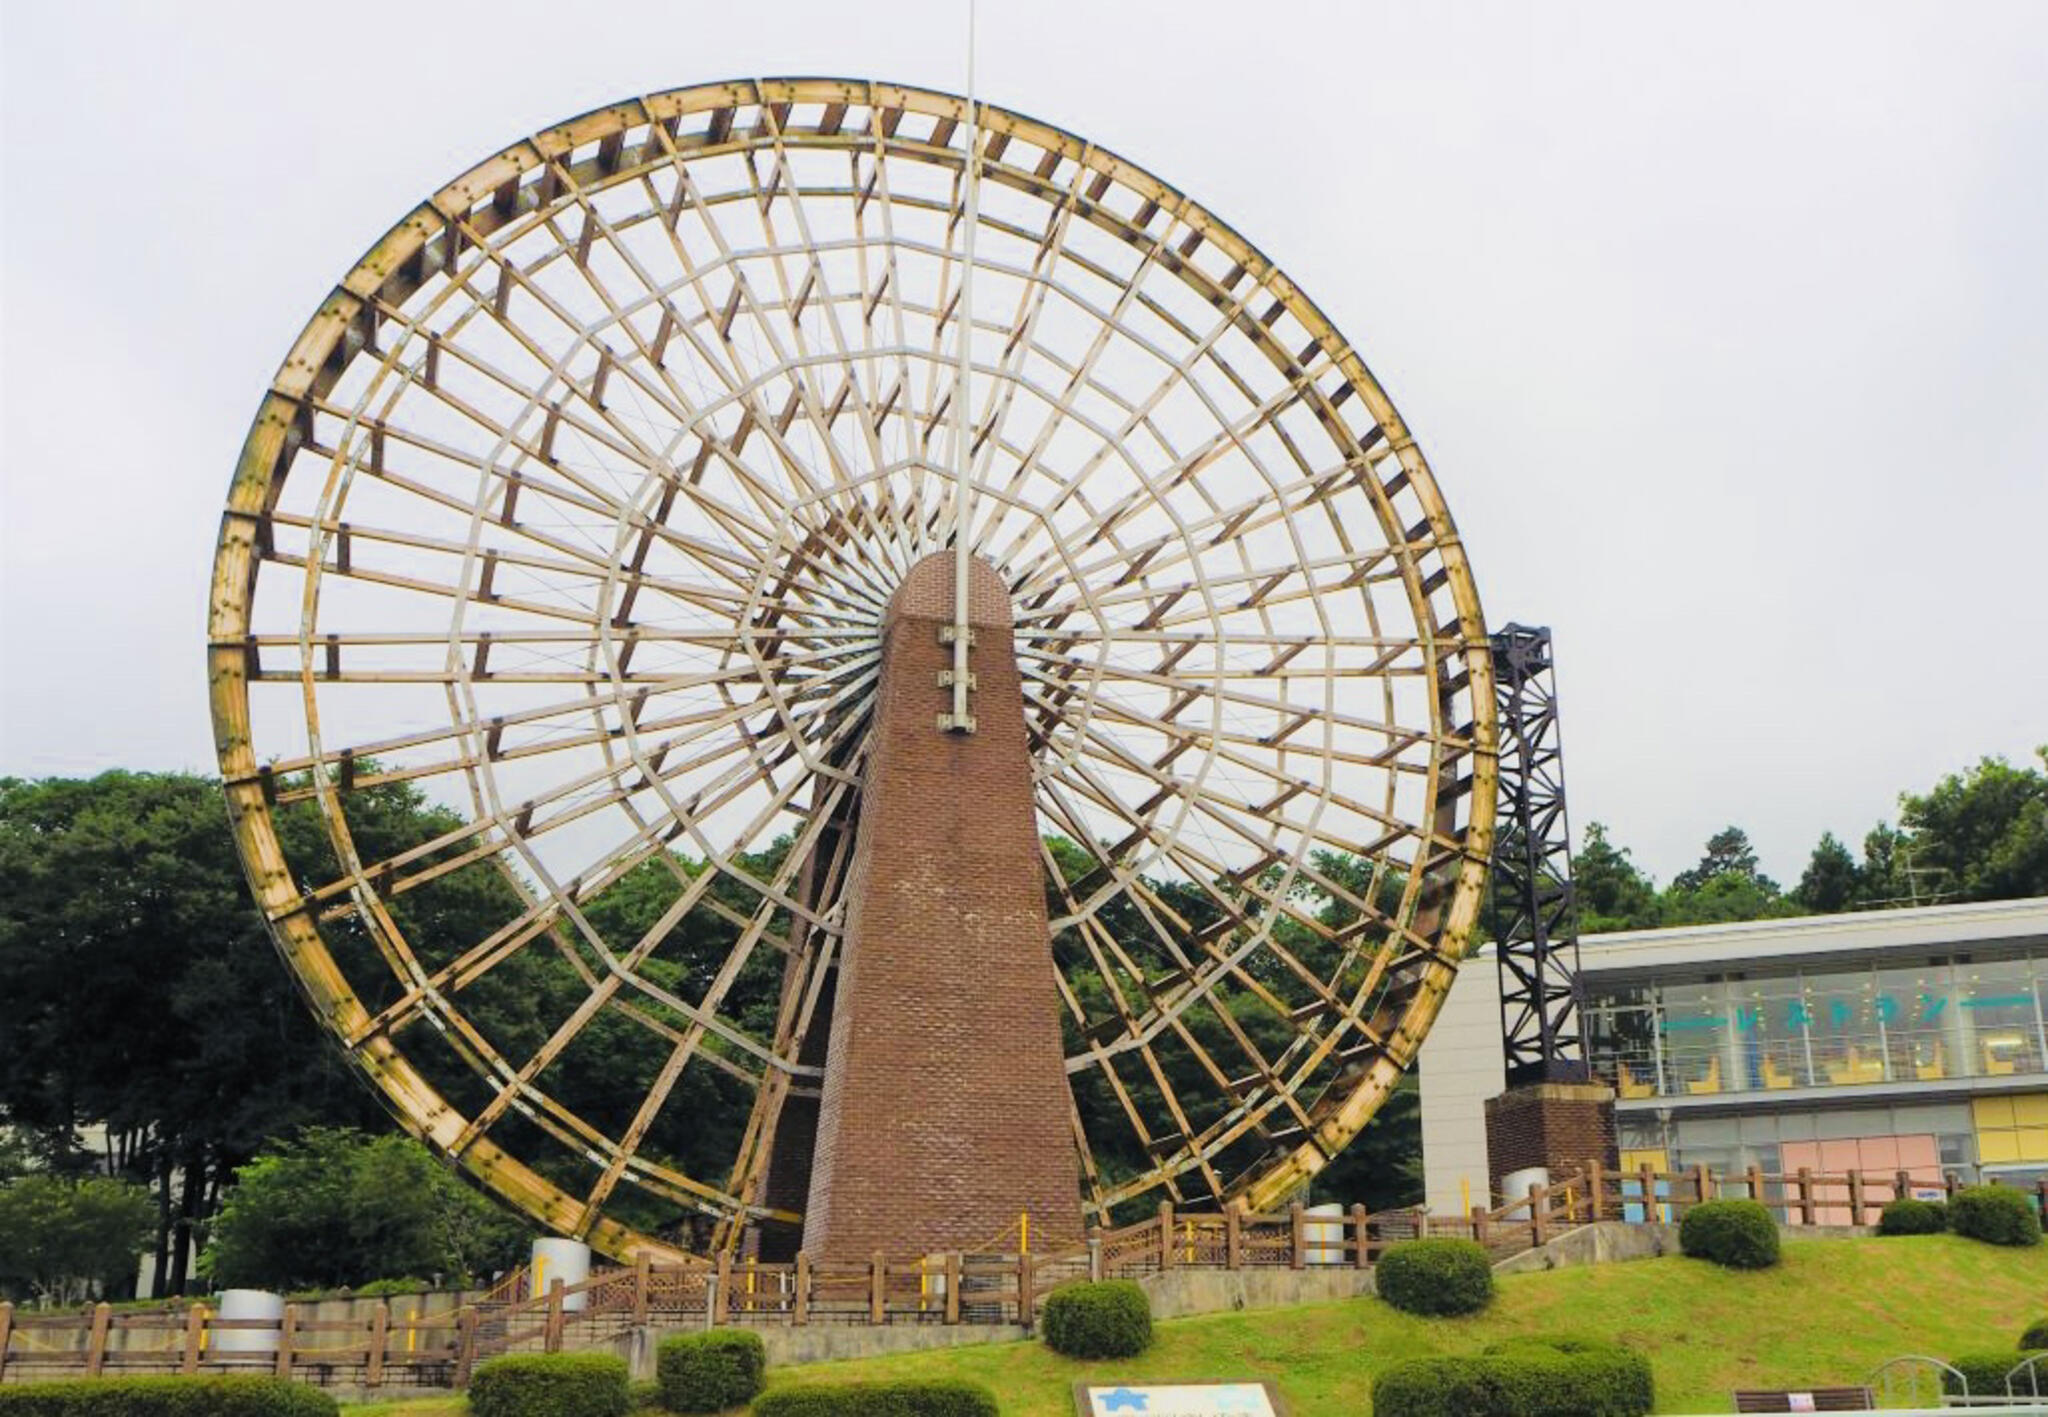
pixel 376 1350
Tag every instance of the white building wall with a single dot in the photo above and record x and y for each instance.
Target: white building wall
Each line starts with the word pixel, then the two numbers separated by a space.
pixel 1460 1067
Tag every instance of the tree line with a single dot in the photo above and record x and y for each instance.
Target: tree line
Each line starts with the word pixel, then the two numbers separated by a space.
pixel 147 1009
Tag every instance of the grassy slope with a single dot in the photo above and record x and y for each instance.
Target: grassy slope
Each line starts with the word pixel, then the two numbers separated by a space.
pixel 1833 1311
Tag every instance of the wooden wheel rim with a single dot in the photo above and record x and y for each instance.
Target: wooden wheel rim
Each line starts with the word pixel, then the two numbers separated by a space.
pixel 1249 640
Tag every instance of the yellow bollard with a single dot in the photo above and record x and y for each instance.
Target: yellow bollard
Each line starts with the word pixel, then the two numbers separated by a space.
pixel 1024 1231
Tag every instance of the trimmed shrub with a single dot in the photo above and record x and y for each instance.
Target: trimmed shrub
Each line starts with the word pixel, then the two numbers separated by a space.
pixel 2036 1336
pixel 1436 1277
pixel 1739 1234
pixel 550 1385
pixel 1998 1215
pixel 1984 1371
pixel 1906 1216
pixel 709 1372
pixel 167 1397
pixel 1109 1318
pixel 932 1397
pixel 1523 1378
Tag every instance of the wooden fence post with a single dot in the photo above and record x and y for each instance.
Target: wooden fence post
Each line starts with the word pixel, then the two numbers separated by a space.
pixel 1361 1233
pixel 6 1334
pixel 465 1344
pixel 1026 1306
pixel 1702 1183
pixel 552 1338
pixel 1166 1234
pixel 1649 1184
pixel 800 1305
pixel 1539 1215
pixel 953 1268
pixel 287 1328
pixel 1596 1199
pixel 721 1293
pixel 1233 1237
pixel 1297 1237
pixel 1480 1221
pixel 643 1283
pixel 878 1280
pixel 1855 1197
pixel 194 1340
pixel 1950 1184
pixel 380 1329
pixel 96 1344
pixel 1805 1195
pixel 1754 1179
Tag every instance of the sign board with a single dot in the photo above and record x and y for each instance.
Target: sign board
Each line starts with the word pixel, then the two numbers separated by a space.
pixel 1177 1400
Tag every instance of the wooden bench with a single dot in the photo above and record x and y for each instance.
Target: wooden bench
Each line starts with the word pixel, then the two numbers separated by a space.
pixel 1818 1399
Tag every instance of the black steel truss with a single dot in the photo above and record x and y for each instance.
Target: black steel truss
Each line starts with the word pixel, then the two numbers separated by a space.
pixel 1531 880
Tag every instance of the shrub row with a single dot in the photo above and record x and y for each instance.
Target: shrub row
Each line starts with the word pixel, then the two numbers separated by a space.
pixel 1525 1378
pixel 167 1397
pixel 1985 1372
pixel 550 1385
pixel 1906 1216
pixel 709 1372
pixel 1109 1318
pixel 937 1397
pixel 1435 1277
pixel 1740 1234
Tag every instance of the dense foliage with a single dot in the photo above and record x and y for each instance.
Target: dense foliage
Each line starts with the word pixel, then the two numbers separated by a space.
pixel 58 1234
pixel 1436 1277
pixel 1527 1378
pixel 550 1385
pixel 1109 1318
pixel 2036 1336
pixel 167 1397
pixel 1738 1234
pixel 1906 1216
pixel 930 1397
pixel 1999 1215
pixel 334 1207
pixel 709 1372
pixel 1984 1372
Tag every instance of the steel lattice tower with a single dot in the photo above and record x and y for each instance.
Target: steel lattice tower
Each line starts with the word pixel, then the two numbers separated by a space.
pixel 1538 950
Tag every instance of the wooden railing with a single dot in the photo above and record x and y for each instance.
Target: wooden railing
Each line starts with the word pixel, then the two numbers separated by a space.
pixel 376 1349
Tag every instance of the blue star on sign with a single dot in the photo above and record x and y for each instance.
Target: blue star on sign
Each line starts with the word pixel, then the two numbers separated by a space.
pixel 1122 1399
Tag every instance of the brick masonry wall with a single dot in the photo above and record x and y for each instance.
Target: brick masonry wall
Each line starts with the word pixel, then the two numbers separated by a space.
pixel 945 1111
pixel 1561 1126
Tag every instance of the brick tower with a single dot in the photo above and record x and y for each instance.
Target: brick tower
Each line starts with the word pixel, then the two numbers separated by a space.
pixel 945 1111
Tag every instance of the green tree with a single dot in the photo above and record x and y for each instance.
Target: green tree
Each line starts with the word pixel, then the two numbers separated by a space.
pixel 1831 882
pixel 1985 830
pixel 1612 893
pixel 334 1207
pixel 63 1238
pixel 1728 853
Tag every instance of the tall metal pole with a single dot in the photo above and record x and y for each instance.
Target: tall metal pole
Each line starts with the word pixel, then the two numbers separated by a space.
pixel 961 720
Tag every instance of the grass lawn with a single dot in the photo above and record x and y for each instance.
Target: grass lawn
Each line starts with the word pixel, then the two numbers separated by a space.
pixel 1829 1314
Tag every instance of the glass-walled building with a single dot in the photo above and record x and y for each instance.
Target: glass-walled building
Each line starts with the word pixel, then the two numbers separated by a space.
pixel 1906 1039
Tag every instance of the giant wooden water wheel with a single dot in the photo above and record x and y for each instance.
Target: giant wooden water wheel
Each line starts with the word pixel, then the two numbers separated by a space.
pixel 571 518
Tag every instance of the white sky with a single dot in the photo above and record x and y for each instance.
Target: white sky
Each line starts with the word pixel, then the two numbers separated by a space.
pixel 1725 326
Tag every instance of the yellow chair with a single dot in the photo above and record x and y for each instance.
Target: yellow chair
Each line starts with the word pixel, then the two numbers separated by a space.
pixel 1628 1084
pixel 1934 1069
pixel 1711 1082
pixel 1995 1066
pixel 1775 1076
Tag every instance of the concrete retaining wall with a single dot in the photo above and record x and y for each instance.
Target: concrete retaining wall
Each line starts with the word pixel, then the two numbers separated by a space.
pixel 824 1343
pixel 1606 1241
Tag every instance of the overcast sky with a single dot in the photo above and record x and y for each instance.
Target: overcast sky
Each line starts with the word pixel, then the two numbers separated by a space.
pixel 1725 326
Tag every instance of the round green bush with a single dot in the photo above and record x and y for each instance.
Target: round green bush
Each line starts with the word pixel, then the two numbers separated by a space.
pixel 1110 1318
pixel 550 1385
pixel 930 1397
pixel 167 1397
pixel 1435 1277
pixel 1520 1378
pixel 709 1372
pixel 1739 1234
pixel 1998 1215
pixel 2036 1336
pixel 1985 1373
pixel 1906 1216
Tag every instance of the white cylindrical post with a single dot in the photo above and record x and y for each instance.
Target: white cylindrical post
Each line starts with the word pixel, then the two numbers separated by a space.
pixel 567 1260
pixel 248 1306
pixel 1323 1233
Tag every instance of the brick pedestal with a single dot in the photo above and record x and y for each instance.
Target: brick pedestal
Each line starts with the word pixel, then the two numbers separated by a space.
pixel 1557 1125
pixel 945 1111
